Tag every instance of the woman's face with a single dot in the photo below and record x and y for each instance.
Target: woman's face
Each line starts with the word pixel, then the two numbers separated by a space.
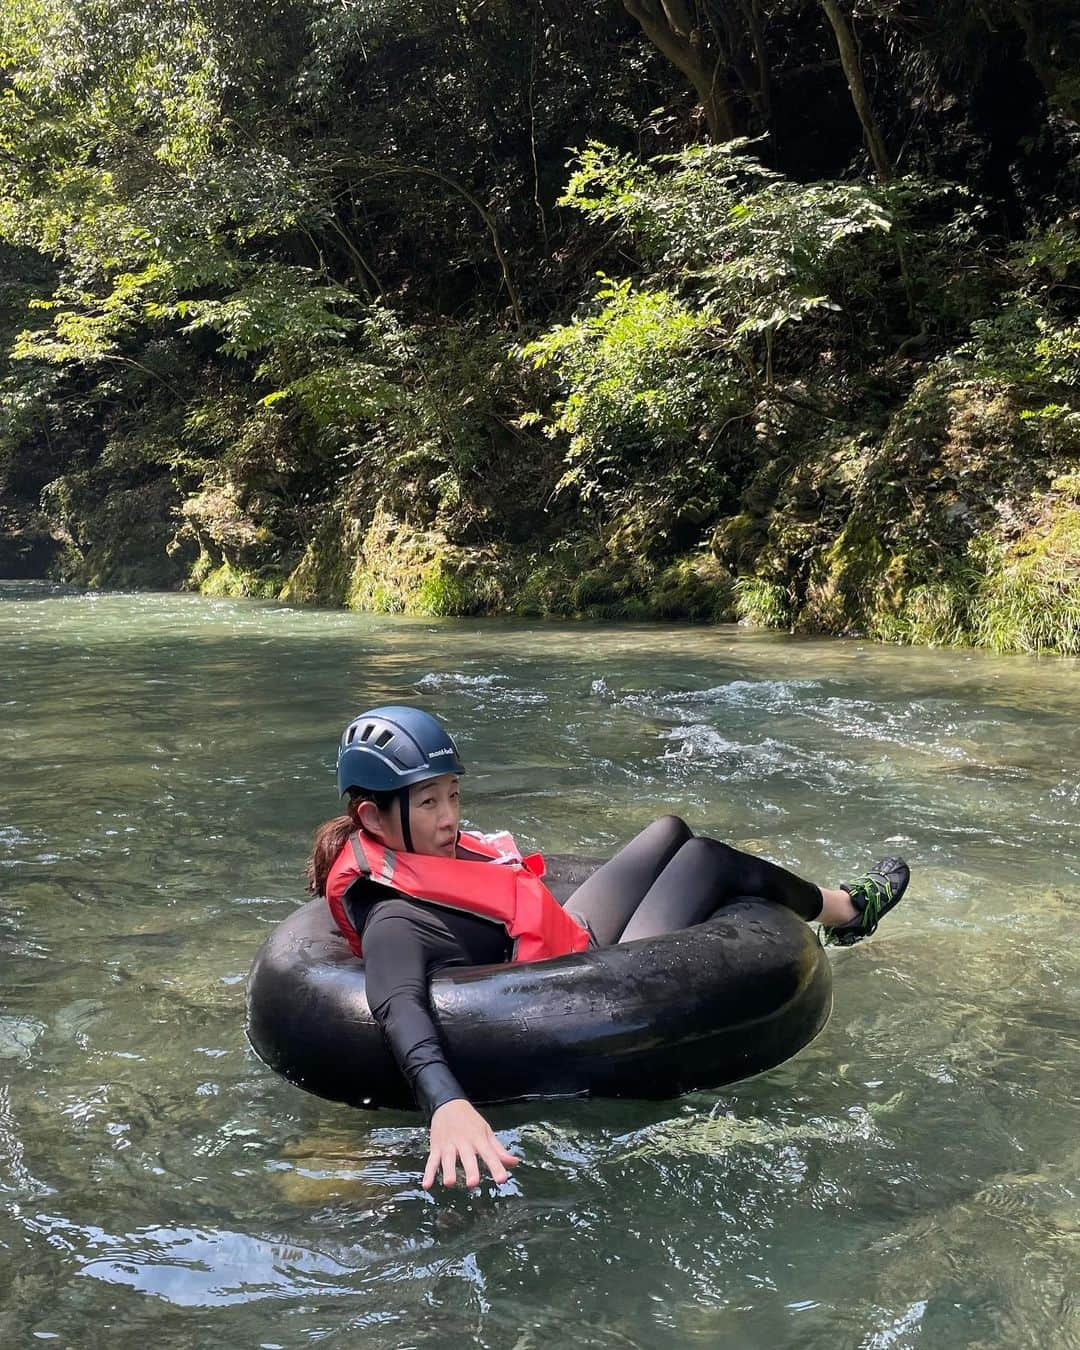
pixel 434 813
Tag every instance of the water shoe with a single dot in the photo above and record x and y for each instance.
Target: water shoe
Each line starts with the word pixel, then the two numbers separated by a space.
pixel 873 895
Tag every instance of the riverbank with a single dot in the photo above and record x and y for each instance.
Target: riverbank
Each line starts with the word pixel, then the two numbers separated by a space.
pixel 958 524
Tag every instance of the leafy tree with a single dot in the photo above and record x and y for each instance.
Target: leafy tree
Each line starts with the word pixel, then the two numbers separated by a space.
pixel 265 269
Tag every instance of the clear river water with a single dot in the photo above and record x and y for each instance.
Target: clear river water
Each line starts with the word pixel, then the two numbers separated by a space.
pixel 911 1179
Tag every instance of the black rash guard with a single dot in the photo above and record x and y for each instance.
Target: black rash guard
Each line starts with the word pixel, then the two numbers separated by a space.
pixel 405 943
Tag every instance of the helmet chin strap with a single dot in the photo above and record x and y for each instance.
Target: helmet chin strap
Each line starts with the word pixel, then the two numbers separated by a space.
pixel 403 807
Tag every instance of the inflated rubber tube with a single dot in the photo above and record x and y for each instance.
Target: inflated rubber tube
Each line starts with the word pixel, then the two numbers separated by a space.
pixel 702 1007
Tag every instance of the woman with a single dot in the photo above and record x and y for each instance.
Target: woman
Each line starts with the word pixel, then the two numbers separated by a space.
pixel 414 895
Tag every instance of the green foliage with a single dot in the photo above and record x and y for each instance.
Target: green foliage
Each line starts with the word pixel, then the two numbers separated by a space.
pixel 757 251
pixel 441 594
pixel 277 309
pixel 1025 344
pixel 227 580
pixel 665 370
pixel 1051 254
pixel 1030 594
pixel 1025 598
pixel 641 380
pixel 934 614
pixel 1028 340
pixel 763 603
pixel 416 409
pixel 260 276
pixel 696 588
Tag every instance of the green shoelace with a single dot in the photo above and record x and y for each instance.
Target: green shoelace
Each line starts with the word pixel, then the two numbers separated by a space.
pixel 877 897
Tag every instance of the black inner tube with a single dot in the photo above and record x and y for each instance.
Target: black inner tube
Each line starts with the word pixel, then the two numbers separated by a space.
pixel 651 1019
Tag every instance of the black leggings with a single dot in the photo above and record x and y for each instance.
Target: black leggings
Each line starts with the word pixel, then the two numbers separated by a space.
pixel 666 879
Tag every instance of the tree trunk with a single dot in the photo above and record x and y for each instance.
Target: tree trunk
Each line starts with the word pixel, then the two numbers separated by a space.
pixel 752 13
pixel 670 27
pixel 1050 53
pixel 849 59
pixel 883 167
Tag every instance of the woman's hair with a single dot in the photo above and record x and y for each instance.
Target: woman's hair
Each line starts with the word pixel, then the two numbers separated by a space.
pixel 331 835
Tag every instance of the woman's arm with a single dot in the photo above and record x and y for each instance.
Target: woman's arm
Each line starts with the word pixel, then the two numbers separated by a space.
pixel 403 946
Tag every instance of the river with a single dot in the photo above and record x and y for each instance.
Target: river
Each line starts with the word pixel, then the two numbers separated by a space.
pixel 911 1179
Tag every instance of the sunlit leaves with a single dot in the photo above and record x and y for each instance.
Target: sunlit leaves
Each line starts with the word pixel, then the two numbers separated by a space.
pixel 276 306
pixel 638 375
pixel 760 250
pixel 730 253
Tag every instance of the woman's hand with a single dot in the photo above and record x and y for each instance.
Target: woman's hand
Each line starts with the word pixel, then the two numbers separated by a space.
pixel 458 1130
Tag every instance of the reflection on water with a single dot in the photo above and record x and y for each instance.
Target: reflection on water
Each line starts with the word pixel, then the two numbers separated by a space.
pixel 910 1179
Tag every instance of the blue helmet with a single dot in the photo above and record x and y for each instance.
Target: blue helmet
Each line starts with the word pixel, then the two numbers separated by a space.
pixel 387 749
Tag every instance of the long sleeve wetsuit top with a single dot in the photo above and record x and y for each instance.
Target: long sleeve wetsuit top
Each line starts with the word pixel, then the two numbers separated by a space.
pixel 405 943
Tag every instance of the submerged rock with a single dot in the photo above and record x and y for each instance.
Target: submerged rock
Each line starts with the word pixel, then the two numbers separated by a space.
pixel 18 1036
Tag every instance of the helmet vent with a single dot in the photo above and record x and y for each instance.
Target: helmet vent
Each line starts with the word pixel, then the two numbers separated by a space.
pixel 367 731
pixel 383 738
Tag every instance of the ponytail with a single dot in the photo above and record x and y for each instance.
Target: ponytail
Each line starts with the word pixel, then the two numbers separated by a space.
pixel 331 837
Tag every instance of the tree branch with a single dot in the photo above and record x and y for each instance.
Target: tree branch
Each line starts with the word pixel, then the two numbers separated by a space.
pixel 669 27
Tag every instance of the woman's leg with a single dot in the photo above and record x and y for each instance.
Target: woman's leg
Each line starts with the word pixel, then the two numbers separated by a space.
pixel 613 892
pixel 705 874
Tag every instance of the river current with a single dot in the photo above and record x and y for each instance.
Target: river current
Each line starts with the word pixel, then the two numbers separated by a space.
pixel 911 1179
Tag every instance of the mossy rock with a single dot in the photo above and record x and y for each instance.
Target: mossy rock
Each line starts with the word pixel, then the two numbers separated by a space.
pixel 544 586
pixel 935 613
pixel 324 573
pixel 225 580
pixel 737 540
pixel 230 523
pixel 602 586
pixel 761 603
pixel 27 550
pixel 1031 601
pixel 461 587
pixel 403 570
pixel 634 609
pixel 1067 485
pixel 126 539
pixel 844 580
pixel 698 588
pixel 786 553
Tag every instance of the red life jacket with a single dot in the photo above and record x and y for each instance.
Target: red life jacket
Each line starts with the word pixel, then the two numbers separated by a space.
pixel 494 883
